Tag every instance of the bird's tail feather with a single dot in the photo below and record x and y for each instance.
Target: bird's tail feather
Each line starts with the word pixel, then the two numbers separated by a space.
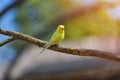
pixel 40 52
pixel 44 47
pixel 47 45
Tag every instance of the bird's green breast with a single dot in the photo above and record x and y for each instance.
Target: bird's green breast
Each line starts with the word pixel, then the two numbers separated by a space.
pixel 57 38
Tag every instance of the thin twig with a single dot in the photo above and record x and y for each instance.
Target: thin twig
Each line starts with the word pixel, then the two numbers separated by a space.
pixel 7 41
pixel 80 52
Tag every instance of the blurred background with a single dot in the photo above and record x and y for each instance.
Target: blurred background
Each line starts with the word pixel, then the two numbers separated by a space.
pixel 89 24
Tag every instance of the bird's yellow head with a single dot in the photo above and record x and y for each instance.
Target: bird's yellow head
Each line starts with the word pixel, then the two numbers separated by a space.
pixel 60 28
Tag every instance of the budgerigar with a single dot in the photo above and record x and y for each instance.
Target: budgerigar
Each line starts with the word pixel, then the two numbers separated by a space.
pixel 56 38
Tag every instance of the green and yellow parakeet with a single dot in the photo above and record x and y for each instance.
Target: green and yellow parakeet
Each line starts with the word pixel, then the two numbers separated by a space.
pixel 56 38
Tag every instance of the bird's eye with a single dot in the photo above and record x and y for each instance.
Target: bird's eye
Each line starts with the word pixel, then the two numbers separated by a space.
pixel 61 28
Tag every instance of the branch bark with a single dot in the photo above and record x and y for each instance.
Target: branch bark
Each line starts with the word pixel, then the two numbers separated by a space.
pixel 7 41
pixel 73 51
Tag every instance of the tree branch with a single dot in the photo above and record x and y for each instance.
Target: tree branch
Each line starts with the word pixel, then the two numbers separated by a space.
pixel 80 52
pixel 7 41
